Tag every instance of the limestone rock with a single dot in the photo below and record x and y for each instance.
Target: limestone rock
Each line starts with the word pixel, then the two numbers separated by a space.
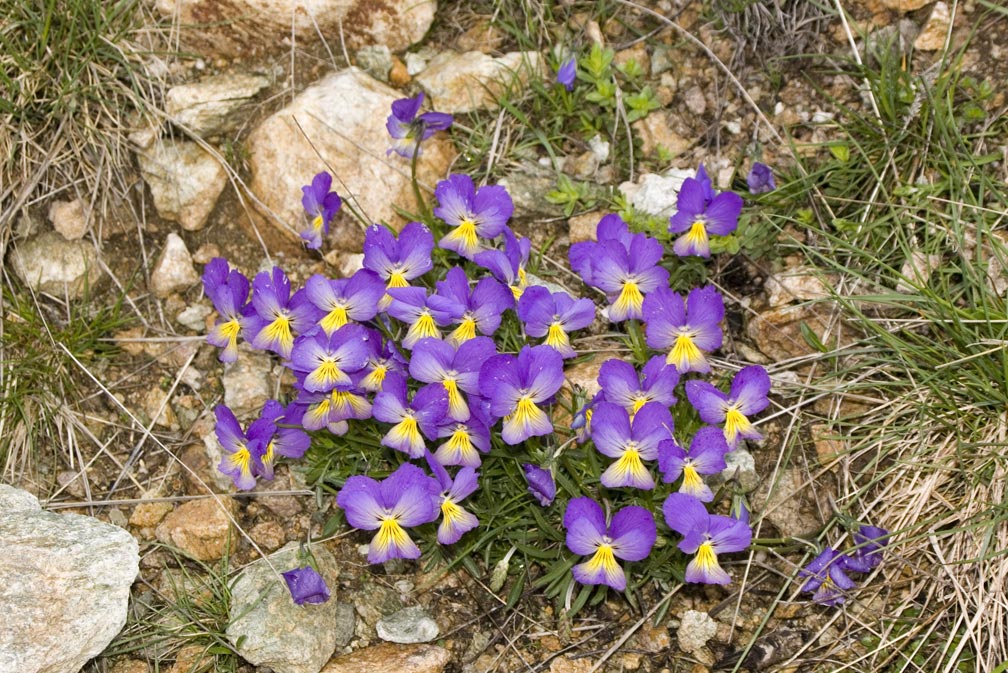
pixel 174 269
pixel 70 218
pixel 695 629
pixel 473 80
pixel 66 585
pixel 184 180
pixel 528 186
pixel 389 657
pixel 342 126
pixel 201 528
pixel 248 383
pixel 375 60
pixel 797 284
pixel 790 503
pixel 932 35
pixel 904 6
pixel 778 332
pixel 245 27
pixel 274 631
pixel 916 271
pixel 583 227
pixel 409 625
pixel 49 263
pixel 656 194
pixel 655 130
pixel 213 105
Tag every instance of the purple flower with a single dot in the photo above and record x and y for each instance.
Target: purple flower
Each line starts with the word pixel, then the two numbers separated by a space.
pixel 455 520
pixel 508 266
pixel 566 73
pixel 473 214
pixel 409 420
pixel 760 179
pixel 322 362
pixel 278 316
pixel 408 130
pixel 554 316
pixel 404 499
pixel 290 442
pixel 383 358
pixel 610 228
pixel 630 536
pixel 515 386
pixel 687 329
pixel 705 535
pixel 701 213
pixel 412 306
pixel 437 362
pixel 748 396
pixel 627 274
pixel 868 553
pixel 321 206
pixel 306 585
pixel 345 299
pixel 228 290
pixel 466 439
pixel 332 409
pixel 540 483
pixel 630 442
pixel 243 456
pixel 623 386
pixel 398 261
pixel 706 456
pixel 826 579
pixel 476 311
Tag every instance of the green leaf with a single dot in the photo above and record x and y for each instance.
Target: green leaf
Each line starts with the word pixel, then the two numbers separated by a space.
pixel 840 151
pixel 811 338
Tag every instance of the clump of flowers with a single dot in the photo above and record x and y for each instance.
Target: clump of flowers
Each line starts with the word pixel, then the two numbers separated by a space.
pixel 444 355
pixel 826 576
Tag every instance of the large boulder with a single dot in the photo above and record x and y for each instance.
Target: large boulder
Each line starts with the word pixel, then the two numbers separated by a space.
pixel 337 124
pixel 65 588
pixel 246 27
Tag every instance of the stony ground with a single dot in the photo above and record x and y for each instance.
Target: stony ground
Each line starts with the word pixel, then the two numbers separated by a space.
pixel 152 414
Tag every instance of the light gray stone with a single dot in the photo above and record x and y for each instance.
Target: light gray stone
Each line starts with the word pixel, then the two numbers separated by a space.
pixel 213 105
pixel 800 283
pixel 174 270
pixel 338 123
pixel 65 588
pixel 49 263
pixel 933 34
pixel 184 180
pixel 375 60
pixel 475 81
pixel 268 629
pixel 243 27
pixel 194 317
pixel 409 625
pixel 740 466
pixel 656 194
pixel 695 629
pixel 70 218
pixel 248 383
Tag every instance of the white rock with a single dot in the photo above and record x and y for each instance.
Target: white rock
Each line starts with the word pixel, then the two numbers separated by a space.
pixel 248 383
pixel 905 5
pixel 70 218
pixel 797 284
pixel 174 270
pixel 49 263
pixel 65 588
pixel 932 35
pixel 268 629
pixel 656 194
pixel 342 126
pixel 211 106
pixel 409 625
pixel 238 27
pixel 194 317
pixel 916 270
pixel 473 80
pixel 184 180
pixel 695 629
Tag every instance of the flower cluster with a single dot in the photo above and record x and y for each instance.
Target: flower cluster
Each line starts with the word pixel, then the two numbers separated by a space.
pixel 826 575
pixel 412 345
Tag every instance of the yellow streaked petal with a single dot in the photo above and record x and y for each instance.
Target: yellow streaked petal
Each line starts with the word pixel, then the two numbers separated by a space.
pixel 736 424
pixel 465 331
pixel 697 234
pixel 457 407
pixel 391 536
pixel 317 222
pixel 406 435
pixel 630 300
pixel 422 328
pixel 333 320
pixel 705 565
pixel 526 421
pixel 557 338
pixel 685 355
pixel 279 333
pixel 465 234
pixel 628 470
